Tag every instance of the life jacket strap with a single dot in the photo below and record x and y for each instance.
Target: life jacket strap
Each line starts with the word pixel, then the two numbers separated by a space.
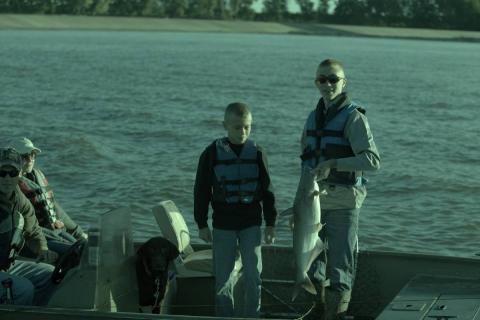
pixel 240 193
pixel 33 193
pixel 239 181
pixel 324 133
pixel 311 154
pixel 236 161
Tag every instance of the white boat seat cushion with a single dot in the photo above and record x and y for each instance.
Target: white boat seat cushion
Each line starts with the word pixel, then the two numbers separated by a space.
pixel 175 230
pixel 172 224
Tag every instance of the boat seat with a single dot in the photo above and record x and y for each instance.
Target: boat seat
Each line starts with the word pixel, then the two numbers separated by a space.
pixel 190 263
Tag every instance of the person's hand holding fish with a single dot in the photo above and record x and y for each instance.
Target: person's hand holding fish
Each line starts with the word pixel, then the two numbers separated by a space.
pixel 322 170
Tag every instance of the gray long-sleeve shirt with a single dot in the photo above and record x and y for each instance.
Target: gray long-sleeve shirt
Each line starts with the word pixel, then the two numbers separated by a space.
pixel 366 158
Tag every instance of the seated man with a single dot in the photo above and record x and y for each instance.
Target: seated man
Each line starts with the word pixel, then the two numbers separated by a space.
pixel 60 228
pixel 23 282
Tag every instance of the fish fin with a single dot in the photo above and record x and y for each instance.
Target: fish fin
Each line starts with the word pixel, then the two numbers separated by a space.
pixel 319 226
pixel 319 247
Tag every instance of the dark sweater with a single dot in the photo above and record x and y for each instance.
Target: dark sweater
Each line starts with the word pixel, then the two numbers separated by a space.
pixel 232 216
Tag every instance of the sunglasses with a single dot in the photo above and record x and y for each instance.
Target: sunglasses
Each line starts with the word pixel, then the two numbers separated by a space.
pixel 28 156
pixel 11 173
pixel 333 79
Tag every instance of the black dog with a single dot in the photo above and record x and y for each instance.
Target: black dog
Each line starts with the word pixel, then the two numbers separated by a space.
pixel 153 258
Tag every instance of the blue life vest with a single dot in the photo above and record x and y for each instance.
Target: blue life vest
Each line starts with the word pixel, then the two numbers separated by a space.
pixel 329 142
pixel 237 176
pixel 11 236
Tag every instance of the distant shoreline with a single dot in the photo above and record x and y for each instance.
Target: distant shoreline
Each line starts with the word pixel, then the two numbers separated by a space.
pixel 109 23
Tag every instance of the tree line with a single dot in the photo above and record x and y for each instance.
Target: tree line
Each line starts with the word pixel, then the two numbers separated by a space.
pixel 442 14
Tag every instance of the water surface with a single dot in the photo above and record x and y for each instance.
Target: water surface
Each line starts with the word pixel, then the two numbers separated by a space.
pixel 122 118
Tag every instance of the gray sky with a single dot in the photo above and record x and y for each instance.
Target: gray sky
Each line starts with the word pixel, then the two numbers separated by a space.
pixel 292 6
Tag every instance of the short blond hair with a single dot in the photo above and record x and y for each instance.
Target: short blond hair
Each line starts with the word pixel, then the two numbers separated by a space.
pixel 238 109
pixel 331 63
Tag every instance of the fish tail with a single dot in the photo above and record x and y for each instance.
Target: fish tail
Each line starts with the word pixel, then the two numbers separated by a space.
pixel 305 284
pixel 309 286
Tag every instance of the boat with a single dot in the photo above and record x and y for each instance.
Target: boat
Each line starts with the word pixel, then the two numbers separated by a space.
pixel 388 285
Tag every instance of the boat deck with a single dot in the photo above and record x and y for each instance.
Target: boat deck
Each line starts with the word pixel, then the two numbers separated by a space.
pixel 387 284
pixel 433 297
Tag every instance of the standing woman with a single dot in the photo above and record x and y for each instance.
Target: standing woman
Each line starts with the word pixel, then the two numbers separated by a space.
pixel 338 145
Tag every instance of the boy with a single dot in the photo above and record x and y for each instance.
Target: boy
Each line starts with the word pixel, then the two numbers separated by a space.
pixel 338 145
pixel 232 176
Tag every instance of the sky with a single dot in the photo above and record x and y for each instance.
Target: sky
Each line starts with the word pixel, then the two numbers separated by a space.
pixel 292 6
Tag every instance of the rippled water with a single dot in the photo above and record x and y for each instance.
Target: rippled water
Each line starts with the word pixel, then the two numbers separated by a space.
pixel 123 116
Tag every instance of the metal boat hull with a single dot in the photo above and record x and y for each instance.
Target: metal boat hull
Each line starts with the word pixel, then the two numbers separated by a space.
pixel 380 277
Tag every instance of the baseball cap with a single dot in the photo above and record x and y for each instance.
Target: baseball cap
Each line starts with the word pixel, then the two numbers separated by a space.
pixel 23 145
pixel 10 157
